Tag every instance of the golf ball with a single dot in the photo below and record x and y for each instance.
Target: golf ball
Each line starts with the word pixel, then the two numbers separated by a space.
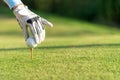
pixel 31 42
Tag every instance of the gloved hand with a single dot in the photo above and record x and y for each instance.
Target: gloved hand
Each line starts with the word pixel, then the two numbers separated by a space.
pixel 28 19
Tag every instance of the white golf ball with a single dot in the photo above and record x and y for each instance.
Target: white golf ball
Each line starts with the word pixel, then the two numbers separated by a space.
pixel 31 42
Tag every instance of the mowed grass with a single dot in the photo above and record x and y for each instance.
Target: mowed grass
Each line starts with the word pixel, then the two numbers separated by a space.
pixel 72 50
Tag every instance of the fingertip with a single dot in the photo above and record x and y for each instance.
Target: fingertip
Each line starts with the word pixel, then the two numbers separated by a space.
pixel 50 24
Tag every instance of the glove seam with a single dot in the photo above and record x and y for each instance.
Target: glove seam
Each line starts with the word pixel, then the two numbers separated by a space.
pixel 17 6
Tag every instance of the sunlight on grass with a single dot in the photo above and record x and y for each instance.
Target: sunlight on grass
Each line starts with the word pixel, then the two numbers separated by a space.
pixel 72 50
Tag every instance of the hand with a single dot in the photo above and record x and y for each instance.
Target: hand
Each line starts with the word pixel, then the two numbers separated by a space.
pixel 28 19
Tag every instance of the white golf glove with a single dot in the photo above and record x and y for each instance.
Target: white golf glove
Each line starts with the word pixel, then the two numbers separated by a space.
pixel 28 19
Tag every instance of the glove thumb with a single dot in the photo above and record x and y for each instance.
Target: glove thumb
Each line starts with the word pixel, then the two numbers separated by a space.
pixel 44 21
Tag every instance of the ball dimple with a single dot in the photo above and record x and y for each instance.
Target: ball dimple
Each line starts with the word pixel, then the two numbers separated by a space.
pixel 31 42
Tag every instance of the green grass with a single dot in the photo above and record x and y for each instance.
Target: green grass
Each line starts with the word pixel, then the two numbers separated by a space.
pixel 72 50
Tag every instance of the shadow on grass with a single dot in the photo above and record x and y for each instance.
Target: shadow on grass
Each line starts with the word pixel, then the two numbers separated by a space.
pixel 80 46
pixel 13 49
pixel 63 46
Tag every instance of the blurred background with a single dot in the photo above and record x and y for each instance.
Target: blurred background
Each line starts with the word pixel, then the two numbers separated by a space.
pixel 90 10
pixel 70 17
pixel 101 11
pixel 98 11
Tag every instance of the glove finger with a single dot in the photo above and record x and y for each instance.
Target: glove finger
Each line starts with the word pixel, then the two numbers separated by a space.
pixel 24 29
pixel 41 31
pixel 44 21
pixel 26 33
pixel 34 32
pixel 19 23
